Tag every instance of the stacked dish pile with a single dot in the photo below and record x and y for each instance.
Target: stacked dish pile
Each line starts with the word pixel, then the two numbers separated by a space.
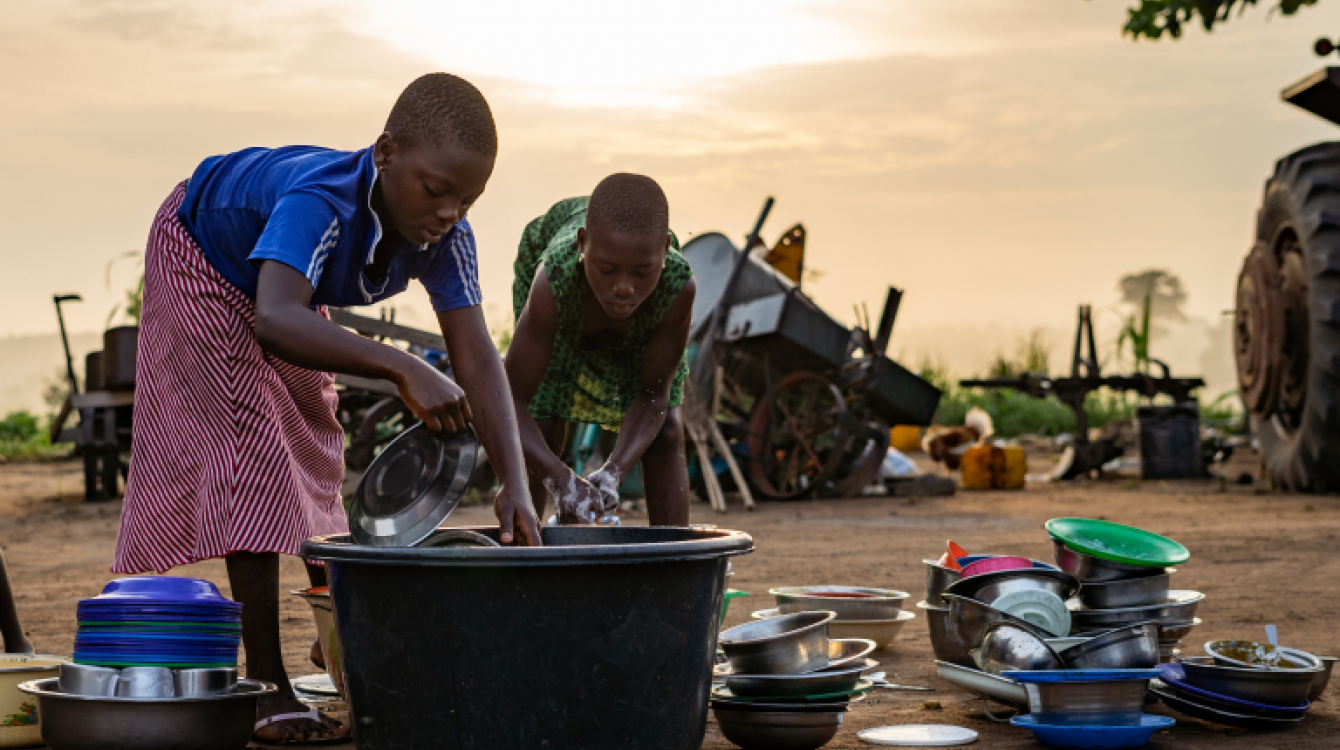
pixel 158 621
pixel 862 612
pixel 1089 708
pixel 787 684
pixel 1244 684
pixel 1126 575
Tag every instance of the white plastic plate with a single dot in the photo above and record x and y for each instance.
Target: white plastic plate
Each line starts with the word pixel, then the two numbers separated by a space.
pixel 918 735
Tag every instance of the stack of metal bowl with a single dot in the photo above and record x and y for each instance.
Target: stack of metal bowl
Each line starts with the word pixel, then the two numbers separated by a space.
pixel 1126 579
pixel 788 684
pixel 1243 684
pixel 862 612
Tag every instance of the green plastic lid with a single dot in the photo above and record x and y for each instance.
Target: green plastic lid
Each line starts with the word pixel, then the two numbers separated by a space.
pixel 1117 542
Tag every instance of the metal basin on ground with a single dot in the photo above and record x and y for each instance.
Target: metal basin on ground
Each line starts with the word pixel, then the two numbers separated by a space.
pixel 777 730
pixel 848 602
pixel 85 722
pixel 1275 687
pixel 603 638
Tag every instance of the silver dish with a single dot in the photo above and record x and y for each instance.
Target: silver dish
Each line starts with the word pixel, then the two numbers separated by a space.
pixel 1273 687
pixel 1322 679
pixel 1129 647
pixel 1118 703
pixel 1127 592
pixel 789 644
pixel 777 730
pixel 969 618
pixel 795 685
pixel 843 652
pixel 1006 646
pixel 1179 607
pixel 196 683
pixel 869 604
pixel 944 641
pixel 411 487
pixel 1181 704
pixel 86 679
pixel 979 683
pixel 1175 630
pixel 988 587
pixel 938 578
pixel 1183 691
pixel 1088 568
pixel 457 538
pixel 83 722
pixel 1296 659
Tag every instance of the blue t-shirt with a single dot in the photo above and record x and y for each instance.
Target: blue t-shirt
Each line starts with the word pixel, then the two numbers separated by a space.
pixel 309 208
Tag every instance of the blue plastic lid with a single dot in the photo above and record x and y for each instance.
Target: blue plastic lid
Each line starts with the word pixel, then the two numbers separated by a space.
pixel 1094 737
pixel 1080 675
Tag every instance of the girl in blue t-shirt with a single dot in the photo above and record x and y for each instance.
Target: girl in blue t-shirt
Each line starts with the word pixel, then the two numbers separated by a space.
pixel 236 450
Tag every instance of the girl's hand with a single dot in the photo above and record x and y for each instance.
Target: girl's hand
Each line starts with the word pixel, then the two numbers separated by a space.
pixel 578 502
pixel 438 402
pixel 516 516
pixel 607 480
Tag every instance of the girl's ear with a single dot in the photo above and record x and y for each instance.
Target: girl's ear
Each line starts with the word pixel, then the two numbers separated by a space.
pixel 383 151
pixel 581 243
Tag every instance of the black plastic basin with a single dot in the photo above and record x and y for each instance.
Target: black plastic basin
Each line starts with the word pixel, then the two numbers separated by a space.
pixel 603 638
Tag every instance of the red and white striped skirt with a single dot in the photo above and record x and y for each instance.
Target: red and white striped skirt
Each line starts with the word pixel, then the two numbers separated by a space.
pixel 233 449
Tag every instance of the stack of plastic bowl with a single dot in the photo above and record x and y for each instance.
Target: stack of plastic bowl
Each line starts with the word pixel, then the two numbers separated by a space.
pixel 788 685
pixel 1125 575
pixel 1089 708
pixel 1245 684
pixel 171 623
pixel 862 612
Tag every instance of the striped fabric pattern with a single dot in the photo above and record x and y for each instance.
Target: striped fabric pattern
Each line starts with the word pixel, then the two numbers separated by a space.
pixel 233 449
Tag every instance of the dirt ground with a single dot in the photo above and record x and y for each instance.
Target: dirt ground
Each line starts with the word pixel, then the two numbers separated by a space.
pixel 1258 557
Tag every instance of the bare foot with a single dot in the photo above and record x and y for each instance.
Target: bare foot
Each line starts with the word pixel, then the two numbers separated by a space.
pixel 295 731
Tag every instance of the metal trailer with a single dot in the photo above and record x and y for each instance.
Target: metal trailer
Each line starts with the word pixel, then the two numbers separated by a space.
pixel 810 399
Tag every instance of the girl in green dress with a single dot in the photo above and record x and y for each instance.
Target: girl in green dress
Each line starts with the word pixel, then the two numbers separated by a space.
pixel 603 302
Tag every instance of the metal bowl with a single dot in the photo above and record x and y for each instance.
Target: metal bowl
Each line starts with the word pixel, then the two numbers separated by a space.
pixel 944 641
pixel 1174 630
pixel 789 644
pixel 849 602
pixel 87 679
pixel 1006 646
pixel 1322 679
pixel 411 487
pixel 85 722
pixel 777 730
pixel 1179 607
pixel 1129 647
pixel 1088 568
pixel 1231 654
pixel 1118 703
pixel 1274 687
pixel 979 683
pixel 795 685
pixel 988 587
pixel 844 652
pixel 968 619
pixel 196 683
pixel 938 578
pixel 1127 592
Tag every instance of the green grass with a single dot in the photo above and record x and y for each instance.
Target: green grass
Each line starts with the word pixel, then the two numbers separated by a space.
pixel 24 436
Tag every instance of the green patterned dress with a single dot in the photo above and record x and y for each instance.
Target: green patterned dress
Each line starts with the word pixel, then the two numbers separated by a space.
pixel 593 380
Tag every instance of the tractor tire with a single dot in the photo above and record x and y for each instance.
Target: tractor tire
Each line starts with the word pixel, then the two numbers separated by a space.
pixel 1287 332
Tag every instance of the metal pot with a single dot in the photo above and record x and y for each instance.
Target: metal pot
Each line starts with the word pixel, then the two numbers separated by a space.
pixel 1127 592
pixel 1130 647
pixel 1118 703
pixel 789 644
pixel 777 730
pixel 1006 646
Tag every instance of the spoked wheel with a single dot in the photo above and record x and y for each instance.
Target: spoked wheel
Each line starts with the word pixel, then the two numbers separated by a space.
pixel 797 436
pixel 1287 323
pixel 866 446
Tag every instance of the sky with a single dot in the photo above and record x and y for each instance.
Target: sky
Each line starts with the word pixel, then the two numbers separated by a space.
pixel 1001 160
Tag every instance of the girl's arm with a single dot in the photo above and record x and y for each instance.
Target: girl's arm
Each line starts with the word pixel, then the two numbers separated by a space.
pixel 526 363
pixel 475 361
pixel 287 328
pixel 647 413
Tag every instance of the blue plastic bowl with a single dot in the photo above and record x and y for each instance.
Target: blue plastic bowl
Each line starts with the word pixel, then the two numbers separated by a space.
pixel 163 589
pixel 1094 738
pixel 970 559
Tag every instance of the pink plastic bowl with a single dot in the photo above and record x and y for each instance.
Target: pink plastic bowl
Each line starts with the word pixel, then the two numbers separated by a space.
pixel 993 564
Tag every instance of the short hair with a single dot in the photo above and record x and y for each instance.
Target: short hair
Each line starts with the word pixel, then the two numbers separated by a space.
pixel 443 109
pixel 629 204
